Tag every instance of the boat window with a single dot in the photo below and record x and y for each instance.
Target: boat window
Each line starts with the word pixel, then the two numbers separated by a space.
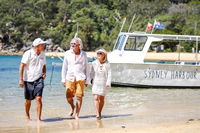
pixel 135 43
pixel 120 42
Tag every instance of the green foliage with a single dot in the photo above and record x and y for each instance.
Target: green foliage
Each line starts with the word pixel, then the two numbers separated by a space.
pixel 99 20
pixel 168 50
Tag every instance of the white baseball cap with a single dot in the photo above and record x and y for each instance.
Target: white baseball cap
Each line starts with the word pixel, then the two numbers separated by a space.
pixel 38 41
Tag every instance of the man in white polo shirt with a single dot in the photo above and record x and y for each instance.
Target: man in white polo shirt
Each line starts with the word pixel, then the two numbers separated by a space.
pixel 32 74
pixel 75 75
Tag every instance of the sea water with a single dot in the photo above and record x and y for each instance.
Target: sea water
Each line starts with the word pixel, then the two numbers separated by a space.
pixel 145 105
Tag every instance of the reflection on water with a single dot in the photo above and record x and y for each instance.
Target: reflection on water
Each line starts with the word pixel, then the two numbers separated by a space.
pixel 74 125
pixel 99 124
pixel 40 127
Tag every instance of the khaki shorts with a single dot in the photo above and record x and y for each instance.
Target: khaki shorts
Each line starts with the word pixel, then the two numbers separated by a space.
pixel 75 88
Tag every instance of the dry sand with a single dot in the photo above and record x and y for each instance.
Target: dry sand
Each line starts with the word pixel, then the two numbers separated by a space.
pixel 172 56
pixel 150 56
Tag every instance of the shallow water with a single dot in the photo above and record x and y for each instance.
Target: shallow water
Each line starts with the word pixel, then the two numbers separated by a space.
pixel 124 106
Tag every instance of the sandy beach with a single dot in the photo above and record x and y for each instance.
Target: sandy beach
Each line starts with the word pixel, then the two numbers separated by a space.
pixel 127 110
pixel 149 56
pixel 191 127
pixel 104 126
pixel 136 111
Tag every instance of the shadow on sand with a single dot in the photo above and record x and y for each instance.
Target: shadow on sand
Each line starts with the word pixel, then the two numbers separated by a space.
pixel 105 116
pixel 56 119
pixel 84 117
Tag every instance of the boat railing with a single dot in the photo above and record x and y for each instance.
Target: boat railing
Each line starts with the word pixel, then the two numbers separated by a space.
pixel 179 63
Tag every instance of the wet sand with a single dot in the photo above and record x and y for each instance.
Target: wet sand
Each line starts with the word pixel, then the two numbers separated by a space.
pixel 193 127
pixel 129 110
pixel 57 125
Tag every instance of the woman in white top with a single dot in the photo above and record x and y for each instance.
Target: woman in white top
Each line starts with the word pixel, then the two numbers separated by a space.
pixel 101 75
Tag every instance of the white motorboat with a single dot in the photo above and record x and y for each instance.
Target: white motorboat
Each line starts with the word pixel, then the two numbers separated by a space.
pixel 130 69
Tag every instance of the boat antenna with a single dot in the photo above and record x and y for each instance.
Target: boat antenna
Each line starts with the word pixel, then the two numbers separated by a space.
pixel 52 70
pixel 196 54
pixel 131 23
pixel 179 51
pixel 76 34
pixel 123 25
pixel 153 26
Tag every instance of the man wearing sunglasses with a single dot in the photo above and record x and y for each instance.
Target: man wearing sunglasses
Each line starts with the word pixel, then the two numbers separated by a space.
pixel 75 75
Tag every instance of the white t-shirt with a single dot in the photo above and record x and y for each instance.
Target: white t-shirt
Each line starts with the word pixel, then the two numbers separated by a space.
pixel 34 65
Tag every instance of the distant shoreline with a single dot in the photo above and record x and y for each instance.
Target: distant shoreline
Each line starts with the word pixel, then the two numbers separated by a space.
pixel 150 56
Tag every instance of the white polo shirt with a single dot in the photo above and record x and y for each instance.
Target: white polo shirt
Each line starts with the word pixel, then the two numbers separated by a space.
pixel 75 67
pixel 34 65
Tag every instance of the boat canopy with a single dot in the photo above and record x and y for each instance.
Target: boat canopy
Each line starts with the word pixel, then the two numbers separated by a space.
pixel 132 47
pixel 165 36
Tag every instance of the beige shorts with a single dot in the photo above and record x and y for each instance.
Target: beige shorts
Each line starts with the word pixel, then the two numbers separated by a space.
pixel 75 88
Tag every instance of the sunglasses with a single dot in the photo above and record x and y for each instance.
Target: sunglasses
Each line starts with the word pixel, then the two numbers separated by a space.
pixel 73 43
pixel 99 53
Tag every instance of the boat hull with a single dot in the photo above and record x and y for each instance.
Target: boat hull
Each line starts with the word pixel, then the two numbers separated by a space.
pixel 155 75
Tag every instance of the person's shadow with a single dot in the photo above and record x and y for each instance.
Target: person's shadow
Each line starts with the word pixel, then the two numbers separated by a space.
pixel 85 117
pixel 55 119
pixel 105 116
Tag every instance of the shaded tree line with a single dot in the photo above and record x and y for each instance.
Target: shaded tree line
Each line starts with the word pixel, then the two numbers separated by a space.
pixel 99 20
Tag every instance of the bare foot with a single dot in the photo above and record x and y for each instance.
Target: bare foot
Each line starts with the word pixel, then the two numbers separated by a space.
pixel 99 114
pixel 76 117
pixel 39 120
pixel 71 113
pixel 98 117
pixel 28 118
pixel 40 123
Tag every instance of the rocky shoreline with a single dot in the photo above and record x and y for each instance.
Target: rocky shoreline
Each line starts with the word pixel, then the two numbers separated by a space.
pixel 11 53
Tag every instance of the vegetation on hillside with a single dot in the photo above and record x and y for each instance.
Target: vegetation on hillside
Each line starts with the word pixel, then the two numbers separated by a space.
pixel 99 20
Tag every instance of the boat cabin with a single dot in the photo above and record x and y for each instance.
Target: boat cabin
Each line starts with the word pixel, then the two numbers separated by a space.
pixel 132 47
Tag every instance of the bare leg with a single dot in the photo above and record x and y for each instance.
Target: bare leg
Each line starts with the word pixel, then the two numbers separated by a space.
pixel 78 107
pixel 71 103
pixel 101 104
pixel 96 104
pixel 27 108
pixel 39 107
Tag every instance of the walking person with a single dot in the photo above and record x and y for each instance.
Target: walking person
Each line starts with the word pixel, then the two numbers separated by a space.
pixel 75 75
pixel 101 75
pixel 32 74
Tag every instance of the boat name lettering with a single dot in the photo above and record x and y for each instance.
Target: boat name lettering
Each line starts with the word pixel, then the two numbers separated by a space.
pixel 166 74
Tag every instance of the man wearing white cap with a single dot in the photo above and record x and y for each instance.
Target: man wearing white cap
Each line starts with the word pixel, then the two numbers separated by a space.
pixel 75 75
pixel 32 74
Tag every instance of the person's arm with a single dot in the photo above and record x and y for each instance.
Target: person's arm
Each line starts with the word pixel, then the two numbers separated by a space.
pixel 108 82
pixel 24 62
pixel 92 72
pixel 21 72
pixel 87 71
pixel 44 72
pixel 64 70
